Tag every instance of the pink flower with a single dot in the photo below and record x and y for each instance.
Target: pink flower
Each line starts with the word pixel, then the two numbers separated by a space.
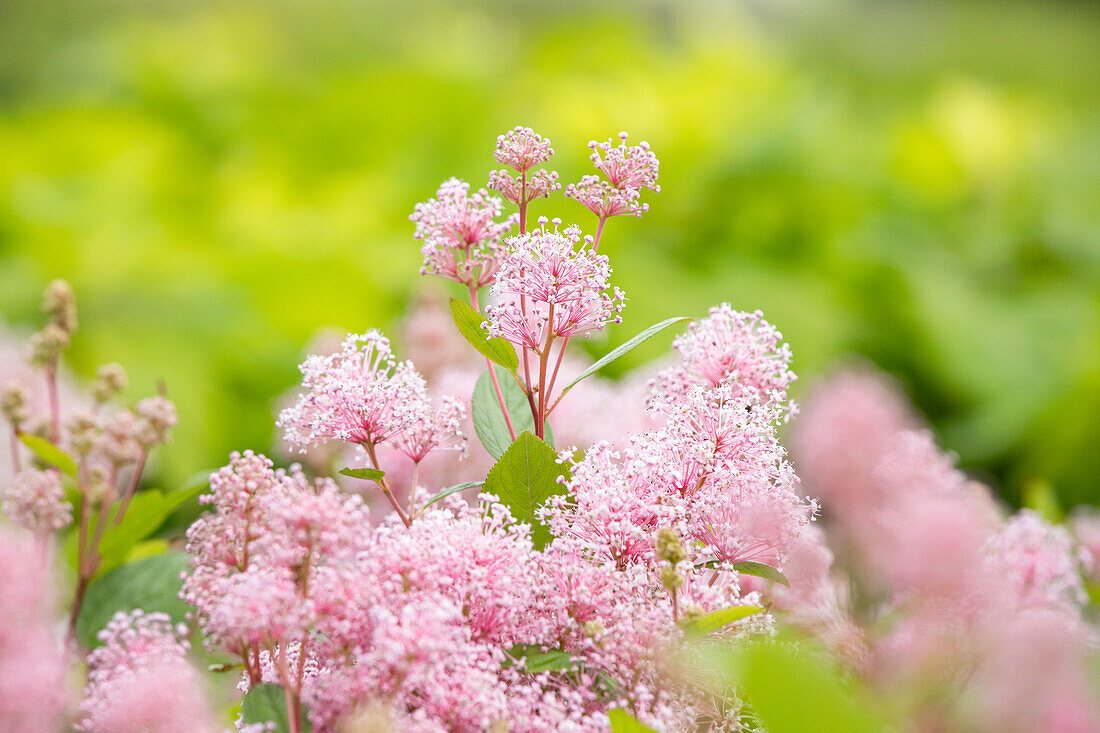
pixel 140 680
pixel 550 287
pixel 33 695
pixel 1040 562
pixel 36 501
pixel 461 234
pixel 732 347
pixel 522 149
pixel 360 394
pixel 628 169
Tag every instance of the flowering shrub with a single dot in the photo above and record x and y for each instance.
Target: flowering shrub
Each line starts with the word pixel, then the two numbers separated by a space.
pixel 611 583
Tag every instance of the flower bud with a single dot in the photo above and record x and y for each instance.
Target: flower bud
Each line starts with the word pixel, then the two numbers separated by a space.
pixel 669 547
pixel 13 402
pixel 110 381
pixel 60 302
pixel 47 344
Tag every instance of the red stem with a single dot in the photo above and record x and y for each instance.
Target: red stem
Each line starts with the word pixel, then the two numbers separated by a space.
pixel 385 486
pixel 139 468
pixel 493 374
pixel 55 407
pixel 15 463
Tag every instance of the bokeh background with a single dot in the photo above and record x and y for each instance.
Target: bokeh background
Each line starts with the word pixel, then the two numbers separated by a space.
pixel 913 183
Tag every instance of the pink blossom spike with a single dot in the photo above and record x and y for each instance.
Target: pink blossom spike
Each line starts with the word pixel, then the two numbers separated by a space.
pixel 36 501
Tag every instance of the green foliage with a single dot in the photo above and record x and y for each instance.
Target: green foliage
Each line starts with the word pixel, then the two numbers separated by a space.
pixel 705 624
pixel 624 722
pixel 146 513
pixel 49 453
pixel 265 703
pixel 524 478
pixel 367 474
pixel 451 490
pixel 762 570
pixel 489 420
pixel 493 348
pixel 792 690
pixel 538 660
pixel 151 584
pixel 624 349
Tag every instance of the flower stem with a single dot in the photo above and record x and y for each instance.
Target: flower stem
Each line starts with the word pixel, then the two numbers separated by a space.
pixel 493 375
pixel 385 486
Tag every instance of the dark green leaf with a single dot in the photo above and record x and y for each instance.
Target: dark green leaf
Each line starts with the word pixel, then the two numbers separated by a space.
pixel 624 722
pixel 452 490
pixel 760 570
pixel 715 620
pixel 625 348
pixel 493 348
pixel 266 703
pixel 367 474
pixel 524 478
pixel 49 453
pixel 151 584
pixel 489 419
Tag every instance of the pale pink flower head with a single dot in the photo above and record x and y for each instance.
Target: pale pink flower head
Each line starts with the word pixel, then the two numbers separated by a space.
pixel 521 148
pixel 140 680
pixel 1085 525
pixel 440 429
pixel 1040 562
pixel 633 166
pixel 628 170
pixel 552 285
pixel 36 501
pixel 33 696
pixel 360 394
pixel 729 347
pixel 461 234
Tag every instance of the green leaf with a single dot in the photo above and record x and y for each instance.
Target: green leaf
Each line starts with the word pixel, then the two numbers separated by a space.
pixel 199 479
pixel 525 477
pixel 49 453
pixel 146 513
pixel 151 584
pixel 715 620
pixel 489 419
pixel 625 348
pixel 493 348
pixel 451 490
pixel 624 722
pixel 266 703
pixel 367 474
pixel 1040 497
pixel 538 660
pixel 760 570
pixel 793 690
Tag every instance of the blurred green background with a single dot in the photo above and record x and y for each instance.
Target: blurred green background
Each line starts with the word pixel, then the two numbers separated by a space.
pixel 914 182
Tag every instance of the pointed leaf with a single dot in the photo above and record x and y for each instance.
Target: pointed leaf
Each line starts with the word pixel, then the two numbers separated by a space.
pixel 760 570
pixel 715 620
pixel 524 478
pixel 537 660
pixel 49 453
pixel 493 348
pixel 151 584
pixel 624 348
pixel 623 722
pixel 367 474
pixel 488 418
pixel 451 490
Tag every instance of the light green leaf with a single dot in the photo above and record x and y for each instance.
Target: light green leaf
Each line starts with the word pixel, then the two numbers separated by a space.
pixel 624 722
pixel 493 348
pixel 538 660
pixel 489 419
pixel 151 584
pixel 524 478
pixel 452 490
pixel 367 474
pixel 49 453
pixel 266 703
pixel 624 349
pixel 761 570
pixel 146 513
pixel 715 620
pixel 1040 497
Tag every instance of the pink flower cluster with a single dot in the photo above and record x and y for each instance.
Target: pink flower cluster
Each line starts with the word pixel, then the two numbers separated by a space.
pixel 362 395
pixel 36 501
pixel 987 609
pixel 522 149
pixel 140 680
pixel 552 285
pixel 461 233
pixel 628 171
